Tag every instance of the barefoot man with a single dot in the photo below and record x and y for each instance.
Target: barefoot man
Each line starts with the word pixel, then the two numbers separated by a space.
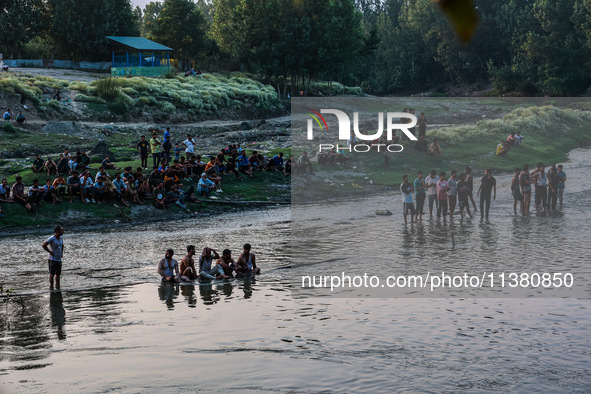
pixel 247 261
pixel 55 247
pixel 188 272
pixel 168 268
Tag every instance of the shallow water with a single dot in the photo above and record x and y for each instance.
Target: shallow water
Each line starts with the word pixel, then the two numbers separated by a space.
pixel 115 328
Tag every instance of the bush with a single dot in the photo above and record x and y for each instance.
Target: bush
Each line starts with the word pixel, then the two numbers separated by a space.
pixel 55 105
pixel 107 89
pixel 89 99
pixel 96 159
pixel 119 106
pixel 8 127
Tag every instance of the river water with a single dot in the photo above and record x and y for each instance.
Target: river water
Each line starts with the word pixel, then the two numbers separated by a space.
pixel 114 328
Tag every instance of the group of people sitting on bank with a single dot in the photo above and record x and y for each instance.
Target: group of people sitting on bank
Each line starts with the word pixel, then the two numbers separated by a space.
pixel 72 176
pixel 20 118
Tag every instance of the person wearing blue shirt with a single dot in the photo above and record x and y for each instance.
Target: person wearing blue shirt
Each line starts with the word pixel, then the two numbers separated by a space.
pixel 49 193
pixel 100 190
pixel 120 187
pixel 205 186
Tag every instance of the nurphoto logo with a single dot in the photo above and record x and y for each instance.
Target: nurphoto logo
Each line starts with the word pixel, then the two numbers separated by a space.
pixel 394 121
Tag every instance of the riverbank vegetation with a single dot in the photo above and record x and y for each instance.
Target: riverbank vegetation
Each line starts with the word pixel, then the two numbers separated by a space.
pixel 540 47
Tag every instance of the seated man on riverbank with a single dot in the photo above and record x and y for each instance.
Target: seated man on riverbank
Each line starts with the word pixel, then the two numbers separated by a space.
pixel 205 269
pixel 107 164
pixel 18 193
pixel 421 145
pixel 20 118
pixel 37 164
pixel 160 196
pixel 50 166
pixel 304 164
pixel 5 191
pixel 168 268
pixel 503 148
pixel 434 149
pixel 246 263
pixel 205 186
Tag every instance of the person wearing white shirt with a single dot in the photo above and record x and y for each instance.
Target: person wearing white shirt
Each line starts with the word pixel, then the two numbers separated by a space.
pixel 190 144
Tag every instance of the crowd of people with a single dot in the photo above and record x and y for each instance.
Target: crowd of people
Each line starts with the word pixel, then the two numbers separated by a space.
pixel 168 268
pixel 71 175
pixel 444 194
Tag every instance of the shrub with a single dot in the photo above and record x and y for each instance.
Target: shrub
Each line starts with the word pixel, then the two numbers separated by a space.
pixel 89 99
pixel 8 127
pixel 120 106
pixel 96 159
pixel 55 104
pixel 106 88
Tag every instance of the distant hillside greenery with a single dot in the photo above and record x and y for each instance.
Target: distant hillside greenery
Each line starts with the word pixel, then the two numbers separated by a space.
pixel 203 95
pixel 534 47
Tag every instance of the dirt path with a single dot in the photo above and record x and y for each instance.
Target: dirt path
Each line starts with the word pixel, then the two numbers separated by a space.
pixel 204 124
pixel 58 73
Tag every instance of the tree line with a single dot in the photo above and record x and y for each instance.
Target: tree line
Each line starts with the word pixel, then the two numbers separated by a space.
pixel 385 46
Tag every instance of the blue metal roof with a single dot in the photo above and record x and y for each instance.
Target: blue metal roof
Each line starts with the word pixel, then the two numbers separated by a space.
pixel 140 43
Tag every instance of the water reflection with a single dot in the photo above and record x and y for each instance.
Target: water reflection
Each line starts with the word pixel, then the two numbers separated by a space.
pixel 210 292
pixel 58 313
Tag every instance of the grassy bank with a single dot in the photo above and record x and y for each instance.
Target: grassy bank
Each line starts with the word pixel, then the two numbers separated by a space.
pixel 550 134
pixel 265 186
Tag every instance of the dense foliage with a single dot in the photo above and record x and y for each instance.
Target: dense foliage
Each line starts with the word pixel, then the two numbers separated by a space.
pixel 527 46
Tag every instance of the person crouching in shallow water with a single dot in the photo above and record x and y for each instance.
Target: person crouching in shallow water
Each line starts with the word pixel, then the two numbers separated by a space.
pixel 205 269
pixel 247 262
pixel 168 268
pixel 188 271
pixel 227 263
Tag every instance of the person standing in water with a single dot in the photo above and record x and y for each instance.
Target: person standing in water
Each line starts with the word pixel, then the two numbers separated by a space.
pixel 561 184
pixel 516 191
pixel 488 184
pixel 55 247
pixel 525 182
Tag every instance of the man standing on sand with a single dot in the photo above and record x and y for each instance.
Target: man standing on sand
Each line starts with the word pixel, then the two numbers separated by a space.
pixel 55 247
pixel 487 185
pixel 188 272
pixel 168 268
pixel 431 183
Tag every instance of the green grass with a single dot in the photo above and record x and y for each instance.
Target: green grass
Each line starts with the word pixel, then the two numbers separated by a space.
pixel 550 134
pixel 264 186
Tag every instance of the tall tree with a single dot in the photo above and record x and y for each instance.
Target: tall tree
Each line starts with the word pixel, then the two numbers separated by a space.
pixel 20 21
pixel 79 27
pixel 182 26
